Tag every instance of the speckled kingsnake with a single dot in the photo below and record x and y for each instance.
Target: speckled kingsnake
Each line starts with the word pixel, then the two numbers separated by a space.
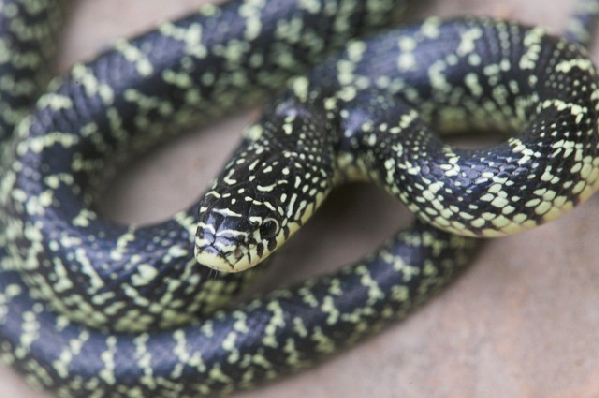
pixel 58 252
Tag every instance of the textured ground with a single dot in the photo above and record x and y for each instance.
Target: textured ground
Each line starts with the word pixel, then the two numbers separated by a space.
pixel 521 323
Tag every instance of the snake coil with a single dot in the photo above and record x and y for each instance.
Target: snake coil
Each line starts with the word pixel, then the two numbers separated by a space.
pixel 89 307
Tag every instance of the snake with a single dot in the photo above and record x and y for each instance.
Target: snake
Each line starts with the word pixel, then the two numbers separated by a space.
pixel 94 308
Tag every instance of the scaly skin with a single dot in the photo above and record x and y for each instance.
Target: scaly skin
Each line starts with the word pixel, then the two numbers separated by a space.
pixel 49 247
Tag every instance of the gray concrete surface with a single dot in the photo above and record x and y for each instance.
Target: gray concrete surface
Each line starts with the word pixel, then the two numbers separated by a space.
pixel 521 323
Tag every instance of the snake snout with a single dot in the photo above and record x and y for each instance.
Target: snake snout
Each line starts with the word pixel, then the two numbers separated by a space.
pixel 219 249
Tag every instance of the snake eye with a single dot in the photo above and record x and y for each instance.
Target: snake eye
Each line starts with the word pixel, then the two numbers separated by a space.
pixel 269 229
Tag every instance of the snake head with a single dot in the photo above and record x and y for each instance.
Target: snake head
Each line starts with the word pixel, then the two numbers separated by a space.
pixel 241 220
pixel 229 242
pixel 270 187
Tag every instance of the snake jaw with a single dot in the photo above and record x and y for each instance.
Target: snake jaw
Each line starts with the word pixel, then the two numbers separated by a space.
pixel 226 255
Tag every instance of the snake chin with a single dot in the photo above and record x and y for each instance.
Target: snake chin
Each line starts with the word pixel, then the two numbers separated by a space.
pixel 210 257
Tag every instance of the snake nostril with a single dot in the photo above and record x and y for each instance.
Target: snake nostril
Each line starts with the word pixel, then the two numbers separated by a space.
pixel 238 253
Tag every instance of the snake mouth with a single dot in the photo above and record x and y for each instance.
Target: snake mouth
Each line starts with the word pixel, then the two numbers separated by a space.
pixel 222 252
pixel 228 262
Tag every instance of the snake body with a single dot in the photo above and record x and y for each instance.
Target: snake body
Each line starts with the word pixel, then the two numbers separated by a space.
pixel 374 98
pixel 93 308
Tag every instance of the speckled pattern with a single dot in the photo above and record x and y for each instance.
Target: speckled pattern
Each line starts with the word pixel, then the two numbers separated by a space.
pixel 131 281
pixel 99 117
pixel 455 74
